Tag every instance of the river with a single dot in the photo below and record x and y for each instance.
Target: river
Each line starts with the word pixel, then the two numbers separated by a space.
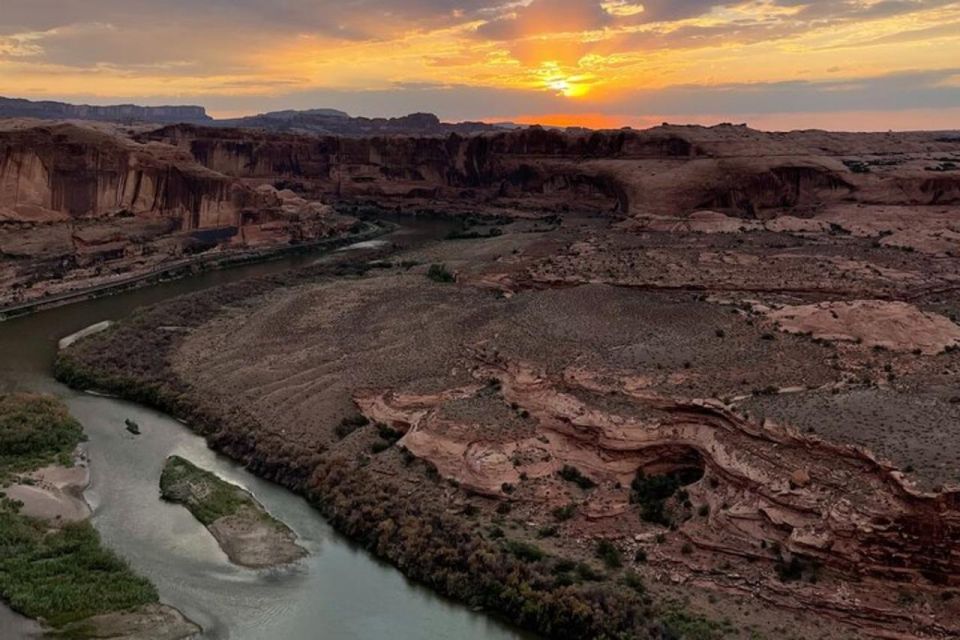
pixel 336 592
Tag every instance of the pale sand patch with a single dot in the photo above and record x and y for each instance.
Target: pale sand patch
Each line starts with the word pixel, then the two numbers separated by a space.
pixel 251 540
pixel 149 622
pixel 55 492
pixel 93 329
pixel 897 326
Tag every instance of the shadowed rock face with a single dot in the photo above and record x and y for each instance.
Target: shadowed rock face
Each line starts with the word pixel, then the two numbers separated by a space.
pixel 700 389
pixel 80 205
pixel 63 171
pixel 667 170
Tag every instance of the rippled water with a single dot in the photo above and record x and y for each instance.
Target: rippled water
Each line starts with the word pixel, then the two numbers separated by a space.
pixel 336 592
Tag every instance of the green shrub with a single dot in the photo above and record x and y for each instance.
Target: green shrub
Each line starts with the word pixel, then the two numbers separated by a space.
pixel 65 575
pixel 380 446
pixel 350 424
pixel 652 492
pixel 609 554
pixel 547 532
pixel 439 273
pixel 634 581
pixel 525 551
pixel 564 513
pixel 207 496
pixel 389 434
pixel 35 431
pixel 572 474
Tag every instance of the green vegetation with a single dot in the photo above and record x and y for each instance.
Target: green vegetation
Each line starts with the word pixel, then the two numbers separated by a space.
pixel 207 496
pixel 473 234
pixel 609 554
pixel 388 438
pixel 64 575
pixel 653 492
pixel 683 624
pixel 439 273
pixel 525 551
pixel 35 431
pixel 572 474
pixel 796 568
pixel 635 582
pixel 565 512
pixel 429 544
pixel 57 575
pixel 350 424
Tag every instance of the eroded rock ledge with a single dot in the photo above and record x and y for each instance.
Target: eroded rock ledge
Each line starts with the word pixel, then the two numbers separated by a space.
pixel 764 487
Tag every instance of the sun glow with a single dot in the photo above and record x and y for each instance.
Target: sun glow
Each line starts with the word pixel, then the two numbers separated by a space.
pixel 554 78
pixel 592 58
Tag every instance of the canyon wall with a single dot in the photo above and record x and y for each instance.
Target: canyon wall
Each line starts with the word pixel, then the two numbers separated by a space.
pixel 82 207
pixel 668 170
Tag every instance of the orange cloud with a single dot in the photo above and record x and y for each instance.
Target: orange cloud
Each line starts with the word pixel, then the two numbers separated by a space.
pixel 592 54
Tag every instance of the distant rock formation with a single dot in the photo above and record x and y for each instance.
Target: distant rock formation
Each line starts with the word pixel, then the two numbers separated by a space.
pixel 79 202
pixel 309 121
pixel 122 113
pixel 668 170
pixel 333 122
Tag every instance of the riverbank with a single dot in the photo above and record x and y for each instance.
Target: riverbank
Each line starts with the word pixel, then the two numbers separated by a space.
pixel 53 567
pixel 424 539
pixel 249 535
pixel 190 267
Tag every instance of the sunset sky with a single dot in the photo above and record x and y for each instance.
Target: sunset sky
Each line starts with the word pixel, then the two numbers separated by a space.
pixel 775 64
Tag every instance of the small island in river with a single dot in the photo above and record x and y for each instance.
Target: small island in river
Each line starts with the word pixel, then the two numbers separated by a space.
pixel 249 535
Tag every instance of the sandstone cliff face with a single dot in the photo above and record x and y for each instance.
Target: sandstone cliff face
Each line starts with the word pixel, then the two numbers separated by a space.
pixel 67 172
pixel 668 170
pixel 186 188
pixel 79 207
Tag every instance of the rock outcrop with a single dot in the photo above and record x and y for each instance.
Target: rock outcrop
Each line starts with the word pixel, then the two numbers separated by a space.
pixel 82 203
pixel 81 206
pixel 668 170
pixel 768 494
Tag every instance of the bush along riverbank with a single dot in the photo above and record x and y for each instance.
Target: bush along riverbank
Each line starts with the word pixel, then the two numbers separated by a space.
pixel 426 542
pixel 55 571
pixel 249 535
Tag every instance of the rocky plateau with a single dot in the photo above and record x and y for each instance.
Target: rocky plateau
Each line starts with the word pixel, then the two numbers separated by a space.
pixel 730 356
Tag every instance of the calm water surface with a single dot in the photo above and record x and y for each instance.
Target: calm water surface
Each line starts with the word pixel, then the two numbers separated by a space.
pixel 337 592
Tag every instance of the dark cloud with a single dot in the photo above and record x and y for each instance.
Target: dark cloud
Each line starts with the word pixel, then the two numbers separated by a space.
pixel 547 16
pixel 735 102
pixel 847 10
pixel 573 16
pixel 671 10
pixel 899 91
pixel 215 36
pixel 352 18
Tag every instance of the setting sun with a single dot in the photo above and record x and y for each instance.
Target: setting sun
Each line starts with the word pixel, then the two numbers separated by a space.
pixel 790 64
pixel 567 88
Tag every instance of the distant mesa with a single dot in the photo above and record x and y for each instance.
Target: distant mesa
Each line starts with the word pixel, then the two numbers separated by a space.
pixel 122 113
pixel 333 122
pixel 315 121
